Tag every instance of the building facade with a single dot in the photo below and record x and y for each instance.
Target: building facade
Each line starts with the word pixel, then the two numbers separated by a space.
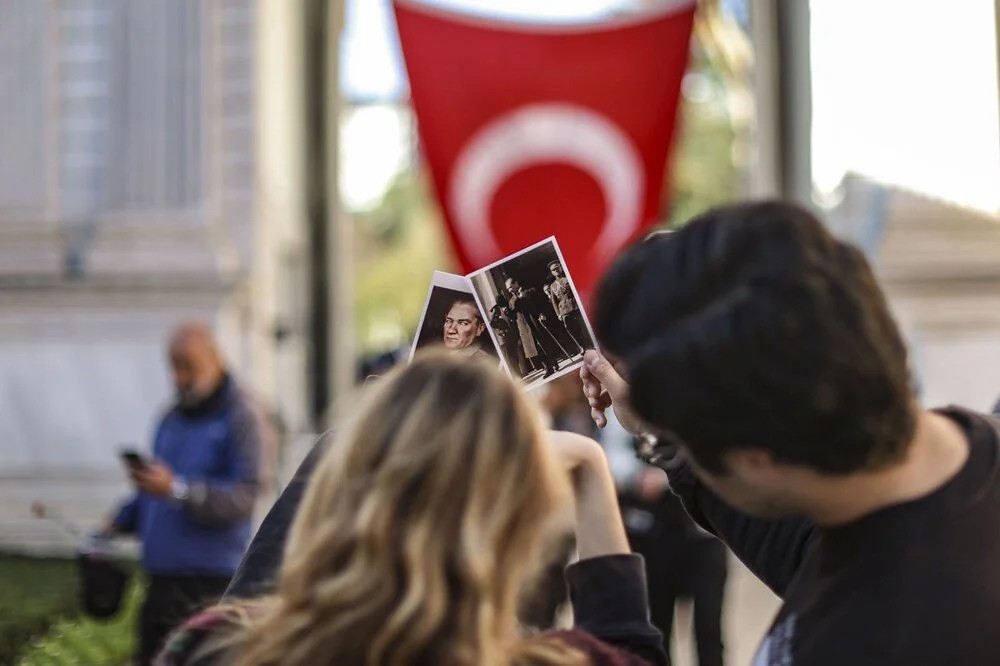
pixel 147 158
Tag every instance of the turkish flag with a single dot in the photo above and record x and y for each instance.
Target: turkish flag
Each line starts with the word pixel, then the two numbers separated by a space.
pixel 537 130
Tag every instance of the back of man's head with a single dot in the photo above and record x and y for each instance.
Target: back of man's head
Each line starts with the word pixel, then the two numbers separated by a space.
pixel 753 328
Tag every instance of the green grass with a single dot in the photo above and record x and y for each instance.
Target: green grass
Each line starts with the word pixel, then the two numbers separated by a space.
pixel 41 622
pixel 87 642
pixel 34 593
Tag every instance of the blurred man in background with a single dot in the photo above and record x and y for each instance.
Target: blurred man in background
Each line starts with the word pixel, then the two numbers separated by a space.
pixel 683 561
pixel 194 500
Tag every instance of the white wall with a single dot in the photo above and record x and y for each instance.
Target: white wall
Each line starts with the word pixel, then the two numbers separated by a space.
pixel 960 367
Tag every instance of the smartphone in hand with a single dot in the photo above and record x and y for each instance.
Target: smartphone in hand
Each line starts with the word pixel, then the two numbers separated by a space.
pixel 133 459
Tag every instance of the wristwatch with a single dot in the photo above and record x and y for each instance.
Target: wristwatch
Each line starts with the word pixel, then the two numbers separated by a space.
pixel 658 452
pixel 179 490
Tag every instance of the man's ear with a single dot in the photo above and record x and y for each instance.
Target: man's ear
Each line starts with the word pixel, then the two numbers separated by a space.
pixel 756 462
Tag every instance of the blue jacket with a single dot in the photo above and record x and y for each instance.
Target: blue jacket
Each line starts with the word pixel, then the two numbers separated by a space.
pixel 215 449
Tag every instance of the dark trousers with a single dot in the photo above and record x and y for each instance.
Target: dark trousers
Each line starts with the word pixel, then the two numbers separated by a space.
pixel 698 572
pixel 513 354
pixel 546 344
pixel 576 329
pixel 169 601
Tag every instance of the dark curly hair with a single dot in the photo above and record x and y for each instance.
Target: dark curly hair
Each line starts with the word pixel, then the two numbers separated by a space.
pixel 753 327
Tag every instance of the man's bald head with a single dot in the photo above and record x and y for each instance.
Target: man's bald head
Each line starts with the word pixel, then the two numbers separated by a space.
pixel 195 363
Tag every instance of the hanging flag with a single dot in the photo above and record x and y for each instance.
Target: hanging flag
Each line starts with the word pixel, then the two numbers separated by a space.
pixel 533 130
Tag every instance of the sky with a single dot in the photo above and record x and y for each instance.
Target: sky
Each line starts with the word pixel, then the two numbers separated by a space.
pixel 905 91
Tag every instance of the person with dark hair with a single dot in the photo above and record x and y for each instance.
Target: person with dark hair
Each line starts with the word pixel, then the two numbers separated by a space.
pixel 756 357
pixel 682 562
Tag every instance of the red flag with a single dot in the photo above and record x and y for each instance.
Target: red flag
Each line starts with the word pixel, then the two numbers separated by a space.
pixel 531 130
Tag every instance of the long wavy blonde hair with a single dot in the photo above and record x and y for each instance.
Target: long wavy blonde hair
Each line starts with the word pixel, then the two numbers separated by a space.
pixel 419 529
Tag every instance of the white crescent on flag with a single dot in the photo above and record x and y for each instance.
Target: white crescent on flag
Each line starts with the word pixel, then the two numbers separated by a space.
pixel 546 133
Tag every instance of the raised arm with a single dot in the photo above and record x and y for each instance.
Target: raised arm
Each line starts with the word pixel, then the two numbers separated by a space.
pixel 772 548
pixel 608 584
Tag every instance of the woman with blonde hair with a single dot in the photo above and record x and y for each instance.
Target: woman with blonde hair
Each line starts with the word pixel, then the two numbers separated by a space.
pixel 420 531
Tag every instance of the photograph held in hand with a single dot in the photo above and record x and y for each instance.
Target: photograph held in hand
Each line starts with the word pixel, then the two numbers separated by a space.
pixel 453 320
pixel 536 317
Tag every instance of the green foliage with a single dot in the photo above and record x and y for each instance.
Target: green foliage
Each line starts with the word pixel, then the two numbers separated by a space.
pixel 704 173
pixel 81 640
pixel 34 593
pixel 40 620
pixel 399 244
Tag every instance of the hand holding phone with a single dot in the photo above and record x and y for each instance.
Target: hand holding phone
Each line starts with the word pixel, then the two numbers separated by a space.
pixel 133 459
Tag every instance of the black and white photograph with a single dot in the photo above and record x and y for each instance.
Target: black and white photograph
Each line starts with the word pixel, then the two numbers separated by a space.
pixel 453 320
pixel 535 314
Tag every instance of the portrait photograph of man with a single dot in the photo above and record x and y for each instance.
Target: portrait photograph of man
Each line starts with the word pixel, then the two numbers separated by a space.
pixel 452 319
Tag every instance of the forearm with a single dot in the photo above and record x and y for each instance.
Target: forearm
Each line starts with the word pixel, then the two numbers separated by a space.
pixel 126 520
pixel 773 549
pixel 230 498
pixel 221 504
pixel 609 597
pixel 599 528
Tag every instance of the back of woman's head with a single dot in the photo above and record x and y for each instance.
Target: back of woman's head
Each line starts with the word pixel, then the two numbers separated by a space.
pixel 418 527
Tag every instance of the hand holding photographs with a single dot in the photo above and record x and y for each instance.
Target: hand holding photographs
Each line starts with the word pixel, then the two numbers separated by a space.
pixel 526 311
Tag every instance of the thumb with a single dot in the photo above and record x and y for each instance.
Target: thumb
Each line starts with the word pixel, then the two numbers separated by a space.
pixel 605 373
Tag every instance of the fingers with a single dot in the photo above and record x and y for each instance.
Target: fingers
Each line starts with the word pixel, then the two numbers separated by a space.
pixel 601 370
pixel 145 475
pixel 592 388
pixel 598 399
pixel 592 391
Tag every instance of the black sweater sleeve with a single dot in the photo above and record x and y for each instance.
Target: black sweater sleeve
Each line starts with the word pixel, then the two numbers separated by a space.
pixel 772 549
pixel 610 602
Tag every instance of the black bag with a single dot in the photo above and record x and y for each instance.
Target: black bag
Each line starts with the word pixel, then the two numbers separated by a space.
pixel 102 585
